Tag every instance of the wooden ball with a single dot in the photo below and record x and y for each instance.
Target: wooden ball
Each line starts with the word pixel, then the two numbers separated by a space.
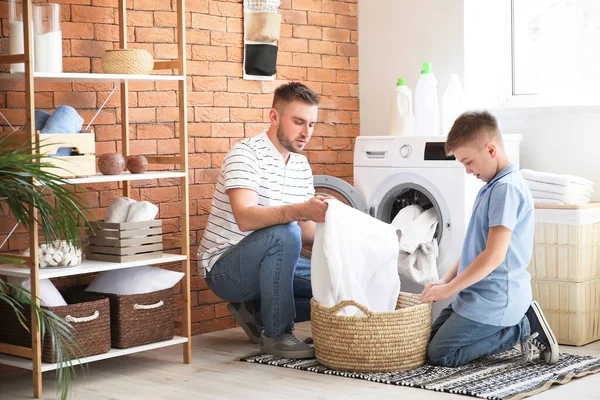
pixel 137 164
pixel 111 164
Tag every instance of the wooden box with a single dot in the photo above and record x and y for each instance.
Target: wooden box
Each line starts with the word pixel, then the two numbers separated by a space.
pixel 80 165
pixel 124 242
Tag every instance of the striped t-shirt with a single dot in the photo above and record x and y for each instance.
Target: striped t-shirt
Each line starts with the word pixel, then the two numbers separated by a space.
pixel 254 164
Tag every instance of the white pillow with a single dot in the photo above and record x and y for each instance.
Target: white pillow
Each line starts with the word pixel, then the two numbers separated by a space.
pixel 49 295
pixel 135 280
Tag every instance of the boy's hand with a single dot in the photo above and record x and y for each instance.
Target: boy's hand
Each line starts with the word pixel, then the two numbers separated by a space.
pixel 436 292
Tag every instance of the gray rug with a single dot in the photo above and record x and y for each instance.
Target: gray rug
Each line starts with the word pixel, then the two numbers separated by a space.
pixel 500 377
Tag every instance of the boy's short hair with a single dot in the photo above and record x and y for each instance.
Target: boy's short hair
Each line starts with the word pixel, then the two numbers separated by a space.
pixel 471 128
pixel 291 91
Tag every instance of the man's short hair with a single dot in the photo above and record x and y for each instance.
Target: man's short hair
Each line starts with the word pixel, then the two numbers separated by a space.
pixel 291 91
pixel 471 129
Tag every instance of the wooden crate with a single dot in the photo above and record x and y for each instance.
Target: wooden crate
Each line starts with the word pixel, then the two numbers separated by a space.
pixel 124 242
pixel 572 309
pixel 71 166
pixel 567 243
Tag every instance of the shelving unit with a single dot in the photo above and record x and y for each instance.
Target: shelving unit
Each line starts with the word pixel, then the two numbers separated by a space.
pixel 13 355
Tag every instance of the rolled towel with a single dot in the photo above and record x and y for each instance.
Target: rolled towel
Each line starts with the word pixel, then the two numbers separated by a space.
pixel 64 119
pixel 117 209
pixel 557 179
pixel 569 190
pixel 141 211
pixel 41 117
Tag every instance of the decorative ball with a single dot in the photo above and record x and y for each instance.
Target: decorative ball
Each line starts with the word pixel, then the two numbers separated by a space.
pixel 111 164
pixel 137 164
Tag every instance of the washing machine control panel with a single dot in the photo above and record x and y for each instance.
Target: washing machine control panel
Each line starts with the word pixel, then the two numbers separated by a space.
pixel 405 150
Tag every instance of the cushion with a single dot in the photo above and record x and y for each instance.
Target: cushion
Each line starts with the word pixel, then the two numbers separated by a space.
pixel 136 280
pixel 49 295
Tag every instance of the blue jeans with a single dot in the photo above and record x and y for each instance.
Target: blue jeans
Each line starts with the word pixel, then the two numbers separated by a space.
pixel 265 269
pixel 456 340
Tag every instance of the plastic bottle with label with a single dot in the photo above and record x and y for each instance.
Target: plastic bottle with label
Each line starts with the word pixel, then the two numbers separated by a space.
pixel 402 120
pixel 427 109
pixel 453 103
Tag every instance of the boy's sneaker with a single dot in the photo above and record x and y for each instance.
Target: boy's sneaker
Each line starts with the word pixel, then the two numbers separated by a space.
pixel 287 346
pixel 541 336
pixel 247 320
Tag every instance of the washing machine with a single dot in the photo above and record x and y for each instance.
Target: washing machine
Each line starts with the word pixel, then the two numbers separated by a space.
pixel 392 172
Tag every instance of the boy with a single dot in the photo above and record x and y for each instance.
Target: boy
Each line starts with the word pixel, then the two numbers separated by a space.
pixel 493 310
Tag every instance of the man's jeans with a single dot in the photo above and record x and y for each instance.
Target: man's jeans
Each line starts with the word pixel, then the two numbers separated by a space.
pixel 265 268
pixel 457 340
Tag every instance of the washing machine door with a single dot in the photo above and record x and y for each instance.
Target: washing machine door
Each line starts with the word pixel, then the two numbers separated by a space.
pixel 338 189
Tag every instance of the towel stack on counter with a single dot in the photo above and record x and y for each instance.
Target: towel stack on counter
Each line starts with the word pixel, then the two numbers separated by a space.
pixel 548 188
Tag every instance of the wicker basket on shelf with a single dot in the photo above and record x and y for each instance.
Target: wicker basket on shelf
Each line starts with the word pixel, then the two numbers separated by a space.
pixel 376 342
pixel 127 61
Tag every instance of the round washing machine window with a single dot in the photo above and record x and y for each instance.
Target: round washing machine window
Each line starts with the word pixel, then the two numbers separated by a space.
pixel 406 194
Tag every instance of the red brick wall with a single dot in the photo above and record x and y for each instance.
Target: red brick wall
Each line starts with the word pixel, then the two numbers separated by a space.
pixel 318 47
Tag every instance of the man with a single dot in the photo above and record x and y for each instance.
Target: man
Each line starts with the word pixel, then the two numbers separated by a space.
pixel 263 211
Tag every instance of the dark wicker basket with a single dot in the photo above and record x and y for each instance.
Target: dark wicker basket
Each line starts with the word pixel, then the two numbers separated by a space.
pixel 141 318
pixel 93 336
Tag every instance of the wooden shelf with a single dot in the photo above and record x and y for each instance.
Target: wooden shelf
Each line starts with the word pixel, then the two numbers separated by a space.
pixel 26 363
pixel 86 267
pixel 126 176
pixel 85 77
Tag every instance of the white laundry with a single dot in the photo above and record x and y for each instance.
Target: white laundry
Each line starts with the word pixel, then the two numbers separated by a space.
pixel 565 199
pixel 354 257
pixel 574 189
pixel 557 179
pixel 141 211
pixel 418 247
pixel 117 209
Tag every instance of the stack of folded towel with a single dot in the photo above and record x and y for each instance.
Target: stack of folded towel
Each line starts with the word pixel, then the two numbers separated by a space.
pixel 548 188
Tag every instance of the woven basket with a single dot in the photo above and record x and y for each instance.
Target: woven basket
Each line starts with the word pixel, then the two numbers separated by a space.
pixel 92 334
pixel 141 318
pixel 377 342
pixel 127 61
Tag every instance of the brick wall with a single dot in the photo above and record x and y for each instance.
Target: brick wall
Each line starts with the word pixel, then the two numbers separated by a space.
pixel 318 47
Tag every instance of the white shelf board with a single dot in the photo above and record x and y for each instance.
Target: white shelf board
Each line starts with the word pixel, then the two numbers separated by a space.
pixel 87 266
pixel 27 364
pixel 126 176
pixel 89 77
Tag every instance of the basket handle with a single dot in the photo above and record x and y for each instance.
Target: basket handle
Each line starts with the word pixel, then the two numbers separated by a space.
pixel 149 306
pixel 76 320
pixel 347 303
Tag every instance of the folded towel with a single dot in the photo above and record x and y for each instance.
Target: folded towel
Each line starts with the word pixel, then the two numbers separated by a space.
pixel 579 199
pixel 572 202
pixel 569 190
pixel 41 117
pixel 546 201
pixel 117 209
pixel 64 119
pixel 557 179
pixel 141 211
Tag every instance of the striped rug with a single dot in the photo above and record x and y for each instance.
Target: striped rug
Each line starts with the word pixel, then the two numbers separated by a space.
pixel 501 377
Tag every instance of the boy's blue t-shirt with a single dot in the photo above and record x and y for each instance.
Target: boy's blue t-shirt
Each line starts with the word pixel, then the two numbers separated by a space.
pixel 502 297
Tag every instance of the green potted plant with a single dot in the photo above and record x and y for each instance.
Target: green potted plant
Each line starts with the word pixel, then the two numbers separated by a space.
pixel 26 184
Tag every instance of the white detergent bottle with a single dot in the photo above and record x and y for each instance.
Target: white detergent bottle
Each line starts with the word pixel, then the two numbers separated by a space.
pixel 402 120
pixel 427 108
pixel 453 103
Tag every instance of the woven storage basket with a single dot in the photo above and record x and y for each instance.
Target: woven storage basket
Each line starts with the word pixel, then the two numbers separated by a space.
pixel 127 61
pixel 141 318
pixel 92 334
pixel 377 342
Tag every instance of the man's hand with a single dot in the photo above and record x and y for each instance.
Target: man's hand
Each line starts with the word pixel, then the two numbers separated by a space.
pixel 436 291
pixel 315 208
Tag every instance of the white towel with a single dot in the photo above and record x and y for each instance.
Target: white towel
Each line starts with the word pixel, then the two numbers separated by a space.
pixel 569 190
pixel 538 200
pixel 141 211
pixel 557 179
pixel 117 209
pixel 582 199
pixel 354 257
pixel 417 259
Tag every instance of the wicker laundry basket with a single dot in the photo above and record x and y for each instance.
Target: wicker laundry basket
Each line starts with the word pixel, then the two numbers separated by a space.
pixel 89 315
pixel 127 61
pixel 376 342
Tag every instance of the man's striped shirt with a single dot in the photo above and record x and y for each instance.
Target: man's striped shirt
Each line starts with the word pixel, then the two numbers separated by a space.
pixel 254 164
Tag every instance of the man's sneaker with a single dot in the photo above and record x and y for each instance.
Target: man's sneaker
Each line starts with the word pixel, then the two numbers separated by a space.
pixel 246 320
pixel 287 346
pixel 541 336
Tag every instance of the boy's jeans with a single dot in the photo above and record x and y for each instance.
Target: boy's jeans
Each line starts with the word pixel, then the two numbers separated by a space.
pixel 457 340
pixel 265 269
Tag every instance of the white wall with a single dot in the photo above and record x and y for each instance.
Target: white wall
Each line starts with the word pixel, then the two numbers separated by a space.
pixel 395 36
